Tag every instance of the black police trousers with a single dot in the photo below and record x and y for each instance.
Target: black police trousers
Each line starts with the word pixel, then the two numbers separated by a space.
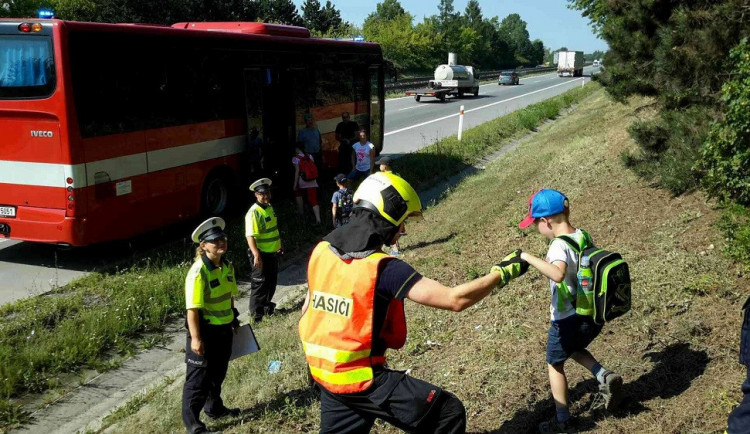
pixel 739 418
pixel 263 285
pixel 405 402
pixel 205 374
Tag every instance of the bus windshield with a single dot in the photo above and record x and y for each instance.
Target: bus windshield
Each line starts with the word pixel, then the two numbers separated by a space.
pixel 26 66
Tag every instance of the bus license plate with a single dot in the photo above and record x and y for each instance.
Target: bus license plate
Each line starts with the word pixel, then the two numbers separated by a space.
pixel 7 211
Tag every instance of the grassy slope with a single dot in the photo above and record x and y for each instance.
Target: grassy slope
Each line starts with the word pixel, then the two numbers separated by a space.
pixel 677 349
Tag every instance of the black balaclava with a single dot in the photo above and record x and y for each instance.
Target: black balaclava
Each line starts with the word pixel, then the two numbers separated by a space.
pixel 365 233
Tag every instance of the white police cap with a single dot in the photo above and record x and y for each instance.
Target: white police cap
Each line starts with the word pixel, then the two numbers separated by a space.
pixel 260 185
pixel 210 229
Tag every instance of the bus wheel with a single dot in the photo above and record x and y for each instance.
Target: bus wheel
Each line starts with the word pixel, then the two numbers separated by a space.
pixel 215 195
pixel 417 98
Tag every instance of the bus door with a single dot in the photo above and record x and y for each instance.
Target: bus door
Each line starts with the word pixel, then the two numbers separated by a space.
pixel 270 109
pixel 377 108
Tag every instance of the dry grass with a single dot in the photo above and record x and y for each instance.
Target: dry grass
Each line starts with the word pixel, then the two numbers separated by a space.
pixel 677 349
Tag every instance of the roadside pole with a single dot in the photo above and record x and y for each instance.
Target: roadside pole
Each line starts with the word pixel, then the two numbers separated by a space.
pixel 460 123
pixel 583 81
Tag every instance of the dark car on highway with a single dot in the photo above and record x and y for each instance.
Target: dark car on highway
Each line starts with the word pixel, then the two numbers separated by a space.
pixel 508 77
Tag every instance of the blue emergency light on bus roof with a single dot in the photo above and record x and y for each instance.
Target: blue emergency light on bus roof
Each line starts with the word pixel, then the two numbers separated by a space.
pixel 359 38
pixel 46 13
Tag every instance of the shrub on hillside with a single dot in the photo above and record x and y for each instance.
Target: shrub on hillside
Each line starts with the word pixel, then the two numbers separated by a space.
pixel 651 136
pixel 726 152
pixel 669 147
pixel 735 224
pixel 677 52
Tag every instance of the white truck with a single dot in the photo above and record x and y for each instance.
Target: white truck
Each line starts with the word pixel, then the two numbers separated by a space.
pixel 450 79
pixel 570 63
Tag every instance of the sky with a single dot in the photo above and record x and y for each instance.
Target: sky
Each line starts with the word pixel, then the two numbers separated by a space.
pixel 548 20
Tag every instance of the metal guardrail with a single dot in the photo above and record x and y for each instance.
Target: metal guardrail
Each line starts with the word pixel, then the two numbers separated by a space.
pixel 417 82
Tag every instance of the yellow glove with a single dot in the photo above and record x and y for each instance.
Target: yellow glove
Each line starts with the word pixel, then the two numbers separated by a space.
pixel 510 267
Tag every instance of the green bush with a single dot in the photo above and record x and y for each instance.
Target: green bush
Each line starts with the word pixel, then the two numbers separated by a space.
pixel 726 151
pixel 735 224
pixel 652 136
pixel 669 148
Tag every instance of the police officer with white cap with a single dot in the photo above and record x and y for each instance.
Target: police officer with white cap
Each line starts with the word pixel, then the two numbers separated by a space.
pixel 210 288
pixel 262 233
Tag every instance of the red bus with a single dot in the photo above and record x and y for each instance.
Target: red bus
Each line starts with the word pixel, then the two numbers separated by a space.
pixel 112 130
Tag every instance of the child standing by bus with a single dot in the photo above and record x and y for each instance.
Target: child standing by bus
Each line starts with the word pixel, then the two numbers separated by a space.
pixel 342 201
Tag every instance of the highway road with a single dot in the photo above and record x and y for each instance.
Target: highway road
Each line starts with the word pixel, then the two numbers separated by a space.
pixel 28 269
pixel 410 125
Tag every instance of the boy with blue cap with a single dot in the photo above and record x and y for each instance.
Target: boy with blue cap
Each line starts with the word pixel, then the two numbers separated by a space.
pixel 569 334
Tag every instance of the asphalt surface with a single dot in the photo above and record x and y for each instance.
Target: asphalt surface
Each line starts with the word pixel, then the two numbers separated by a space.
pixel 411 125
pixel 28 269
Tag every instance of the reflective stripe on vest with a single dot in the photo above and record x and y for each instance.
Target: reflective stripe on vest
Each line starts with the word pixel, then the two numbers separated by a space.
pixel 267 238
pixel 336 328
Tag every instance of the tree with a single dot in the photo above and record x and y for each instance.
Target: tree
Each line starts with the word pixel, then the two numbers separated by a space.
pixel 536 54
pixel 726 152
pixel 21 8
pixel 331 17
pixel 473 14
pixel 513 29
pixel 279 11
pixel 312 15
pixel 387 10
pixel 448 20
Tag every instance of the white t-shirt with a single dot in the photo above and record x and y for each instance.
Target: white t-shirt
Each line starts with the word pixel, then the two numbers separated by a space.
pixel 302 183
pixel 362 152
pixel 559 250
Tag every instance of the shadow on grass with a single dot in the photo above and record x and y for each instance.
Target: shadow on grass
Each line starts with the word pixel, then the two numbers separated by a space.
pixel 287 404
pixel 421 244
pixel 676 367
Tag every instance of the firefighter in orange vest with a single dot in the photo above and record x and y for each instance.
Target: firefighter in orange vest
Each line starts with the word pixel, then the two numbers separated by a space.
pixel 354 312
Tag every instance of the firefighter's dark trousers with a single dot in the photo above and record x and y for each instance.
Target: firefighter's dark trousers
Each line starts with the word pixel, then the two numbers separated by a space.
pixel 407 403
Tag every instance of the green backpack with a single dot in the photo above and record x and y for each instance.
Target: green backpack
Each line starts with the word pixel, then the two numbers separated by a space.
pixel 609 296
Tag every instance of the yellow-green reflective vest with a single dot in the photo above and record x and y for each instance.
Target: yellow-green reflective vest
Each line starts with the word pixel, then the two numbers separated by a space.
pixel 210 289
pixel 264 228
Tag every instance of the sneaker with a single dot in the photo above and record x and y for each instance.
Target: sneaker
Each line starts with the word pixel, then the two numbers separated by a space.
pixel 553 426
pixel 611 390
pixel 224 412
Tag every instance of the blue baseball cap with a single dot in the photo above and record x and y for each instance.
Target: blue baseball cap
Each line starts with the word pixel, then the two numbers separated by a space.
pixel 544 203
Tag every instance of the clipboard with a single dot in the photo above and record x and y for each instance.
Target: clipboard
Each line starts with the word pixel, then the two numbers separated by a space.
pixel 244 342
